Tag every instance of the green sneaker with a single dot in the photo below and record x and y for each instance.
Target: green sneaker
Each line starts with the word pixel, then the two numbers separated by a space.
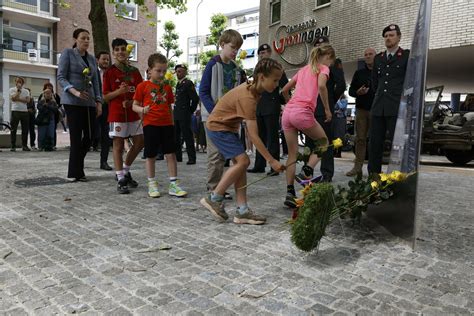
pixel 153 189
pixel 175 190
pixel 216 208
pixel 249 217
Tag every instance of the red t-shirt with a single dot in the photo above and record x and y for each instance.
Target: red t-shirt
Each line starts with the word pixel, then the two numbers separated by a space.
pixel 159 97
pixel 113 77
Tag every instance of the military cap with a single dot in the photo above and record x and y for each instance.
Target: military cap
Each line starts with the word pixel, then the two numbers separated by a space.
pixel 263 47
pixel 391 27
pixel 321 40
pixel 180 66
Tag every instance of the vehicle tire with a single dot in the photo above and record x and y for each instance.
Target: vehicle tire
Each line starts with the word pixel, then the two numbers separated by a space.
pixel 459 157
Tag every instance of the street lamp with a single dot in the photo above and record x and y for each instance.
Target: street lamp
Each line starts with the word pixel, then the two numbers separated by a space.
pixel 197 40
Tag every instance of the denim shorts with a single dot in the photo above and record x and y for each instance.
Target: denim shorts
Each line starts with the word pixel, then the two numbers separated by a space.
pixel 227 143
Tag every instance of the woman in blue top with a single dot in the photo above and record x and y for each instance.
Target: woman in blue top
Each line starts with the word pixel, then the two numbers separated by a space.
pixel 82 99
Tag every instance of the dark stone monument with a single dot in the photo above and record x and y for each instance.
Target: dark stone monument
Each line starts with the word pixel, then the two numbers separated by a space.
pixel 398 215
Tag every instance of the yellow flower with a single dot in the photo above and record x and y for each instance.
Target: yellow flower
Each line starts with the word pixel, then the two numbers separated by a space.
pixel 337 143
pixel 299 202
pixel 168 76
pixel 305 190
pixel 130 48
pixel 383 177
pixel 397 176
pixel 374 185
pixel 243 54
pixel 86 71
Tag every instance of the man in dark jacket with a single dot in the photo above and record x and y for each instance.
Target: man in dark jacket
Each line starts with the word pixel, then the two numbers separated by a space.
pixel 268 118
pixel 185 105
pixel 102 126
pixel 336 86
pixel 388 75
pixel 362 91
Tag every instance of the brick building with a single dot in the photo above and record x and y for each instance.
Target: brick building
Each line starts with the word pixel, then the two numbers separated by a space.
pixel 355 25
pixel 132 26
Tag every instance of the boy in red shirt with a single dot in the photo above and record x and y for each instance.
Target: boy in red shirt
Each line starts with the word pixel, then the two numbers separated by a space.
pixel 120 81
pixel 153 101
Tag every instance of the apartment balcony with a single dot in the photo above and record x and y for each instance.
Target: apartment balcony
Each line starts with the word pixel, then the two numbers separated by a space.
pixel 36 11
pixel 28 56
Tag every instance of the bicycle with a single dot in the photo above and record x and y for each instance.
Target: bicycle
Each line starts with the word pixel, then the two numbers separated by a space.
pixel 5 126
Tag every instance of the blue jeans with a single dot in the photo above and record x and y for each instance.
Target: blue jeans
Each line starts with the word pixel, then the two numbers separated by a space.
pixel 46 135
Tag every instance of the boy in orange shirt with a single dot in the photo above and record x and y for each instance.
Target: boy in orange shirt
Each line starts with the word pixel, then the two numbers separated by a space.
pixel 153 101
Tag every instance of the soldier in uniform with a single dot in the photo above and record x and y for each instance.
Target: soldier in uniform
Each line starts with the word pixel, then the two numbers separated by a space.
pixel 268 118
pixel 185 105
pixel 388 75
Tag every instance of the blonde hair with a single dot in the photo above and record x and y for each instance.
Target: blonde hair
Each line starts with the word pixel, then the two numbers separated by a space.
pixel 231 36
pixel 317 53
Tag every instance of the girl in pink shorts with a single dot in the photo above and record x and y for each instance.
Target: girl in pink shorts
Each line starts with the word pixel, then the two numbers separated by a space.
pixel 298 114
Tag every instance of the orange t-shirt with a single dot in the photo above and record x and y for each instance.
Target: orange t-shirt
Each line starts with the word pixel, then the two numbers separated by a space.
pixel 159 97
pixel 236 105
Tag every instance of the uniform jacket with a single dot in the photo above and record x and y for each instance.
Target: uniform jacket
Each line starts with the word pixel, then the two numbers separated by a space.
pixel 186 100
pixel 362 77
pixel 336 85
pixel 270 103
pixel 211 88
pixel 70 68
pixel 387 82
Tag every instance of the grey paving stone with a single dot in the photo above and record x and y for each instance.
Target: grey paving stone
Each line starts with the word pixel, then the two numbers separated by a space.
pixel 94 249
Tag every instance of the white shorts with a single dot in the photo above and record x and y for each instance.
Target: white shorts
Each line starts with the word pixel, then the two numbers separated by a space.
pixel 125 129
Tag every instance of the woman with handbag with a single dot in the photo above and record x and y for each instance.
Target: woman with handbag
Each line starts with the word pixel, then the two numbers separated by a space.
pixel 82 99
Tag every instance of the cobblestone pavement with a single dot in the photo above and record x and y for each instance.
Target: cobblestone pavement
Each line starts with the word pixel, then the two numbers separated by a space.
pixel 82 248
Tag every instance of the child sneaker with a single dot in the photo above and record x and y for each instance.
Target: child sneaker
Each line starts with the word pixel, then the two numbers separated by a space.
pixel 216 208
pixel 153 189
pixel 249 217
pixel 131 183
pixel 290 200
pixel 175 190
pixel 122 187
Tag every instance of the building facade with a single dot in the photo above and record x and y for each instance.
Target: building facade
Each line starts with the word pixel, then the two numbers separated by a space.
pixel 127 22
pixel 246 22
pixel 27 41
pixel 292 26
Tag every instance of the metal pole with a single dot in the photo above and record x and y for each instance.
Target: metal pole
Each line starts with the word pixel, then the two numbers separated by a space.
pixel 197 40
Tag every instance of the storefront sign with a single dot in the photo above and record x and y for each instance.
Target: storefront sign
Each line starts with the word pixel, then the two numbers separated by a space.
pixel 304 34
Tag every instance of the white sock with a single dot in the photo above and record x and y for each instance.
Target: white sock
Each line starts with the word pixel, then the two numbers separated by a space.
pixel 173 179
pixel 120 175
pixel 126 168
pixel 151 179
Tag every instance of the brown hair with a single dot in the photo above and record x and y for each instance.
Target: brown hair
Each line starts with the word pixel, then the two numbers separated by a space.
pixel 156 58
pixel 231 36
pixel 48 85
pixel 21 79
pixel 317 53
pixel 76 33
pixel 265 67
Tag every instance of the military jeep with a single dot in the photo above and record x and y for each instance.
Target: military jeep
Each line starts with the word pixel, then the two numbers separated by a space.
pixel 446 132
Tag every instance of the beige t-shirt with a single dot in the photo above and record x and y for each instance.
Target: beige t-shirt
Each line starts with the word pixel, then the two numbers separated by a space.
pixel 236 105
pixel 18 105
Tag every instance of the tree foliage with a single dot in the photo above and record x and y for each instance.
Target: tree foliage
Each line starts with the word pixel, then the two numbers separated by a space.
pixel 218 25
pixel 169 42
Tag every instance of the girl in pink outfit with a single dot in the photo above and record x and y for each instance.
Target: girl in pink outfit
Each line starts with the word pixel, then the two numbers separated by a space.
pixel 298 115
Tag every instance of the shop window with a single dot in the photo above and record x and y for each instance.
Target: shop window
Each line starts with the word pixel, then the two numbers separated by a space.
pixel 322 3
pixel 126 10
pixel 275 12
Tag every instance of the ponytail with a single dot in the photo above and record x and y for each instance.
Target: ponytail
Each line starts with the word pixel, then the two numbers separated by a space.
pixel 317 53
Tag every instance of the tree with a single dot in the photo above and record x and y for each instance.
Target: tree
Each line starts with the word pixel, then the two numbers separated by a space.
pixel 169 42
pixel 218 25
pixel 98 16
